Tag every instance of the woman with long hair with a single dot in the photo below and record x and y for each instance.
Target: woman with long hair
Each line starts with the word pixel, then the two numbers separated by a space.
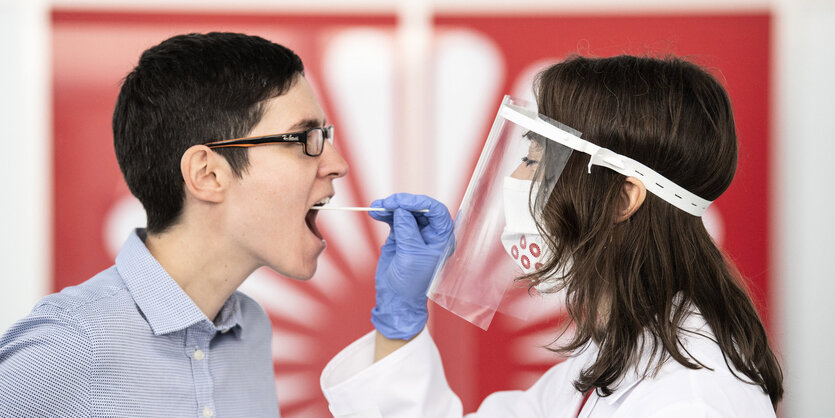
pixel 662 324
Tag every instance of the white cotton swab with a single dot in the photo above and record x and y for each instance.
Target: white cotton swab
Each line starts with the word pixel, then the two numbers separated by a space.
pixel 360 209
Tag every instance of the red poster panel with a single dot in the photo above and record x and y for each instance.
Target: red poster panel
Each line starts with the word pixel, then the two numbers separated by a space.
pixel 735 47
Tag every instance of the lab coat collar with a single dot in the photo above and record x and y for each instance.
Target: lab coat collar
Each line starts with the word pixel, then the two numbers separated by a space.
pixel 696 329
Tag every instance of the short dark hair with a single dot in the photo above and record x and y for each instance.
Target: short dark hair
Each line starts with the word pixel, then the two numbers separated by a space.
pixel 676 118
pixel 188 90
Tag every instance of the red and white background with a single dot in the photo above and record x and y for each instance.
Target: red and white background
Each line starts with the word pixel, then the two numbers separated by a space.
pixel 412 91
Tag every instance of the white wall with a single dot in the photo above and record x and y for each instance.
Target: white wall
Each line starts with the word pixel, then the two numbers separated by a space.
pixel 804 199
pixel 25 221
pixel 804 151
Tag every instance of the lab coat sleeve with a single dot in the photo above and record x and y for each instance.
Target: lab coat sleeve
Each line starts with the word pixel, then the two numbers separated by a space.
pixel 410 382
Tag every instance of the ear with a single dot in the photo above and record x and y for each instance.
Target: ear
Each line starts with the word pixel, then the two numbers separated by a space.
pixel 206 174
pixel 632 197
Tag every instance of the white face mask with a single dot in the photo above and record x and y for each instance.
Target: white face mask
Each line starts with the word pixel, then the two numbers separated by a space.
pixel 520 237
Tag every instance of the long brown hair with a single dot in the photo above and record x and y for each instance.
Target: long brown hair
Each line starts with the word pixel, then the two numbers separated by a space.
pixel 626 277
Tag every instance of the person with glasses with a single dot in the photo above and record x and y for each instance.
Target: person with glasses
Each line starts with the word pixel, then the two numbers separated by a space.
pixel 224 143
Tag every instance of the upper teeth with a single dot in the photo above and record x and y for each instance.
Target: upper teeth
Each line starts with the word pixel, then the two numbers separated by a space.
pixel 324 201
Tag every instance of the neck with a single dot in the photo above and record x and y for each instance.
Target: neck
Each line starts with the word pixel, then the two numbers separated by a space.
pixel 207 272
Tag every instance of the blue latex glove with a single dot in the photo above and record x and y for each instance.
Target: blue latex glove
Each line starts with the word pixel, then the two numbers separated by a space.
pixel 407 261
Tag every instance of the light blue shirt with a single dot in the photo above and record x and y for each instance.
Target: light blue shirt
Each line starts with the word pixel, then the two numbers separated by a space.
pixel 130 342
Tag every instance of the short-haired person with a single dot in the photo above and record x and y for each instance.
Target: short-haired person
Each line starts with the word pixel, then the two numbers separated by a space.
pixel 662 326
pixel 164 332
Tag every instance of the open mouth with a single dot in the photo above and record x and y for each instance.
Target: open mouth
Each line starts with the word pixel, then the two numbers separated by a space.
pixel 310 218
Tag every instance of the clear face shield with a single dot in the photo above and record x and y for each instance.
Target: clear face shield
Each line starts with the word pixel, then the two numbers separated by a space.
pixel 496 238
pixel 495 235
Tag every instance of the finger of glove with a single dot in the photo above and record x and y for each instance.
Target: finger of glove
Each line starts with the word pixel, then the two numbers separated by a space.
pixel 382 216
pixel 391 204
pixel 438 214
pixel 437 219
pixel 429 234
pixel 407 230
pixel 386 217
pixel 422 220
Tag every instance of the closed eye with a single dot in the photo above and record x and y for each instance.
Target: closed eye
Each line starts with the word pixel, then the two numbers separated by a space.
pixel 529 162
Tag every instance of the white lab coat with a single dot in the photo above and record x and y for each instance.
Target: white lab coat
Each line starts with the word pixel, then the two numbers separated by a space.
pixel 410 382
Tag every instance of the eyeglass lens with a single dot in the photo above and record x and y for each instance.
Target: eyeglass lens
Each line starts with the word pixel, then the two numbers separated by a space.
pixel 316 140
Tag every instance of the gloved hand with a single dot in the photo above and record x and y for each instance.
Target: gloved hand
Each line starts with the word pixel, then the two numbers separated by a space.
pixel 408 259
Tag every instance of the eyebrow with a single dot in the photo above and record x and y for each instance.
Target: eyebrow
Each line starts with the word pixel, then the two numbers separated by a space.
pixel 308 123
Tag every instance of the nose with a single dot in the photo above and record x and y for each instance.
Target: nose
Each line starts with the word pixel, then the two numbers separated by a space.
pixel 332 163
pixel 523 172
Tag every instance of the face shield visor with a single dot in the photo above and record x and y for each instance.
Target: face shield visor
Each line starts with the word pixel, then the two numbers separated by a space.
pixel 496 239
pixel 495 235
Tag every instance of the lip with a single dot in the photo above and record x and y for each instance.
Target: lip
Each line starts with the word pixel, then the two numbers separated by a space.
pixel 327 196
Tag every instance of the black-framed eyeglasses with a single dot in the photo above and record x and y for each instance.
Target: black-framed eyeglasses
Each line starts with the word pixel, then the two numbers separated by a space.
pixel 312 139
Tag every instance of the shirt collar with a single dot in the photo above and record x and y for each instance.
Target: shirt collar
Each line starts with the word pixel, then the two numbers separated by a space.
pixel 229 317
pixel 165 305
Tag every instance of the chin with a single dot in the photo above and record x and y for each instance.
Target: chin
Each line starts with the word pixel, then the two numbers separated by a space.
pixel 302 273
pixel 305 277
pixel 298 265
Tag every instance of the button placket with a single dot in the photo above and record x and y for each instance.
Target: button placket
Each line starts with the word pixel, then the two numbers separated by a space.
pixel 197 348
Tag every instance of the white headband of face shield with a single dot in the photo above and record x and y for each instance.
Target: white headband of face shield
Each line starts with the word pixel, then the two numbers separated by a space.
pixel 654 182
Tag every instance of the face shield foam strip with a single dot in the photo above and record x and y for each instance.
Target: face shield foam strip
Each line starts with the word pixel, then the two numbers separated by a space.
pixel 654 182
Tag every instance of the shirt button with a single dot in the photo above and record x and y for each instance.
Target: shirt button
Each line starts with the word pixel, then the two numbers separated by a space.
pixel 199 355
pixel 207 412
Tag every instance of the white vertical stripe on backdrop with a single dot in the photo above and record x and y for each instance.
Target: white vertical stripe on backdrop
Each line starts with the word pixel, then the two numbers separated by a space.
pixel 25 112
pixel 804 192
pixel 414 34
